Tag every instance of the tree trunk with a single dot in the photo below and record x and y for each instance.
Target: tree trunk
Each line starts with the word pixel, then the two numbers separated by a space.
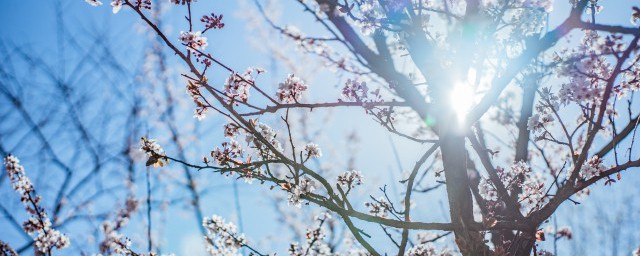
pixel 460 202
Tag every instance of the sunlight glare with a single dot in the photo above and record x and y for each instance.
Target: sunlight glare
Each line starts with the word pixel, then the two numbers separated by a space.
pixel 461 100
pixel 462 96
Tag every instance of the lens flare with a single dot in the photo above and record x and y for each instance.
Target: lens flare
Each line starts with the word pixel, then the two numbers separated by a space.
pixel 461 100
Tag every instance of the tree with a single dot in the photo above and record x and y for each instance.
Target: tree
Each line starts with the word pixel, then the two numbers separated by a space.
pixel 475 76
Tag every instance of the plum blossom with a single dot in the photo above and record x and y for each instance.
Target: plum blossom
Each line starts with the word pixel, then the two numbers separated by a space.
pixel 38 221
pixel 226 155
pixel 519 175
pixel 291 89
pixel 315 244
pixel 379 207
pixel 237 85
pixel 269 134
pixel 193 89
pixel 230 130
pixel 350 179
pixel 49 239
pixel 487 191
pixel 7 250
pixel 305 186
pixel 183 2
pixel 635 17
pixel 212 21
pixel 427 250
pixel 355 89
pixel 193 39
pixel 116 5
pixel 592 168
pixel 222 237
pixel 537 122
pixel 370 16
pixel 154 152
pixel 114 241
pixel 312 150
pixel 579 90
pixel 150 147
pixel 93 2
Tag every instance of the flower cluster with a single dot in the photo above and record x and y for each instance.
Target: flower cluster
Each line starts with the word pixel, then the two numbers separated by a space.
pixel 142 4
pixel 5 249
pixel 305 186
pixel 183 2
pixel 231 130
pixel 116 5
pixel 379 207
pixel 518 177
pixel 544 111
pixel 47 237
pixel 230 151
pixel 237 85
pixel 487 191
pixel 350 179
pixel 580 89
pixel 291 89
pixel 193 40
pixel 427 250
pixel 537 122
pixel 635 17
pixel 222 237
pixel 212 21
pixel 114 241
pixel 269 134
pixel 312 150
pixel 93 2
pixel 592 168
pixel 587 75
pixel 333 59
pixel 154 152
pixel 193 89
pixel 370 17
pixel 150 147
pixel 50 238
pixel 355 90
pixel 315 244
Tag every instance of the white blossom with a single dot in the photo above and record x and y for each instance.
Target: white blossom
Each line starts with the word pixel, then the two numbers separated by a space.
pixel 312 150
pixel 592 168
pixel 355 89
pixel 222 237
pixel 304 187
pixel 350 178
pixel 116 5
pixel 193 39
pixel 291 89
pixel 379 207
pixel 150 147
pixel 93 2
pixel 38 221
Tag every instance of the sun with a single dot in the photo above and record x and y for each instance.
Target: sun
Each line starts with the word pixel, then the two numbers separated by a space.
pixel 462 97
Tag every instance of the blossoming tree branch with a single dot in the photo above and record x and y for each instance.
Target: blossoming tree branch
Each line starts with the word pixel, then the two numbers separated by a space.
pixel 514 118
